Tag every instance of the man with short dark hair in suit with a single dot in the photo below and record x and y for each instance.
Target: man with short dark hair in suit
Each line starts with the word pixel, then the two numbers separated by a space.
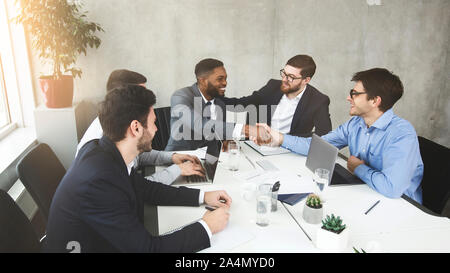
pixel 198 115
pixel 180 164
pixel 99 204
pixel 299 107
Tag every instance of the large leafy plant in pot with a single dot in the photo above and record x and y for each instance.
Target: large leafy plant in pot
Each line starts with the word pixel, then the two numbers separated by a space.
pixel 60 32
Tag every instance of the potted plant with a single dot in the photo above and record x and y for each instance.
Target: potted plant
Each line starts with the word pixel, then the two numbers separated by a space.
pixel 59 32
pixel 333 235
pixel 313 210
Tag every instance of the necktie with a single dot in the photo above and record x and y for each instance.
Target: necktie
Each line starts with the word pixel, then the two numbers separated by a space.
pixel 208 104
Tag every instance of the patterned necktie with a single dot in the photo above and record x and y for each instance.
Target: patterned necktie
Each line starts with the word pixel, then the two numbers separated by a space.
pixel 209 104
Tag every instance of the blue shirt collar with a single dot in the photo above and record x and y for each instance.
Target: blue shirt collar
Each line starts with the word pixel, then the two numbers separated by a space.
pixel 382 122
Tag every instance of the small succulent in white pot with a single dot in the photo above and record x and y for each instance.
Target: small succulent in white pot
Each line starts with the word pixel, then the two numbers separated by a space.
pixel 333 235
pixel 313 210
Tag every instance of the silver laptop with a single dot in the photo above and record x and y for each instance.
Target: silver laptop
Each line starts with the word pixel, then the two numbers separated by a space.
pixel 209 165
pixel 321 154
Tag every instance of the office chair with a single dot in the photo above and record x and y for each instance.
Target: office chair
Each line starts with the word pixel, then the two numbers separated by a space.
pixel 40 171
pixel 163 123
pixel 435 182
pixel 16 232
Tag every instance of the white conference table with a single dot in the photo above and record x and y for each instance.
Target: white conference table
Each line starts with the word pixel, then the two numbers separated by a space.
pixel 394 225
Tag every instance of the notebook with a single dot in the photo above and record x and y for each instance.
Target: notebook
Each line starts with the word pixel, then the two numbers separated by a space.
pixel 266 150
pixel 292 198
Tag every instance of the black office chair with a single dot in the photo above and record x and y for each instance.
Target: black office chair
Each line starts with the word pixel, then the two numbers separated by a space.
pixel 435 182
pixel 16 232
pixel 40 171
pixel 163 123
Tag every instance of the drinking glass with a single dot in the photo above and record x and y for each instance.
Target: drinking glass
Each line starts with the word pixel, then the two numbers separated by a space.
pixel 263 204
pixel 233 155
pixel 322 180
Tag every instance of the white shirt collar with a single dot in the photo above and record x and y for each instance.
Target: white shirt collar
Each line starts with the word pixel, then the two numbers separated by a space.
pixel 204 99
pixel 297 98
pixel 130 166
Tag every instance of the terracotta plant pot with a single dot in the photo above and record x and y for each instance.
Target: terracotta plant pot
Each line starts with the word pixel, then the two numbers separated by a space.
pixel 58 93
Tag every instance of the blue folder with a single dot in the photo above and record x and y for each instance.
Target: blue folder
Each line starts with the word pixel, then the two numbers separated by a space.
pixel 292 198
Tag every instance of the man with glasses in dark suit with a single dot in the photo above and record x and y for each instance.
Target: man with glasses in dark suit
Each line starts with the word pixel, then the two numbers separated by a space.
pixel 293 105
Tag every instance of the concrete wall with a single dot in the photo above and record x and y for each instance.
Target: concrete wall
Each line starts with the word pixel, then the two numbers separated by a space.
pixel 165 39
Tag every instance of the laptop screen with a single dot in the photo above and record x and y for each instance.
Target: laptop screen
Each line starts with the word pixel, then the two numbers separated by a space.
pixel 321 154
pixel 212 157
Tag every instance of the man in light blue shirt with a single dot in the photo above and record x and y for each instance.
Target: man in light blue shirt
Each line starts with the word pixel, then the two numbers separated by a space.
pixel 384 148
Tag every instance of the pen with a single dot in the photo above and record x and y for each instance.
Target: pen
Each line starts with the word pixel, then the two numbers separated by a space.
pixel 210 208
pixel 251 177
pixel 254 167
pixel 376 203
pixel 276 186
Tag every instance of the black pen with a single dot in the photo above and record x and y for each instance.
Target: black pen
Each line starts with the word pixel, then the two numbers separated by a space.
pixel 210 208
pixel 276 186
pixel 376 203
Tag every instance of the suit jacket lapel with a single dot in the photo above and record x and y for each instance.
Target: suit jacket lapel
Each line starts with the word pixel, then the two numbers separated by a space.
pixel 217 101
pixel 275 100
pixel 299 111
pixel 196 92
pixel 220 105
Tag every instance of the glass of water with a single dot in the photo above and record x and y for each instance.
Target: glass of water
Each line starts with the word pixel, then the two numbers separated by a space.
pixel 322 180
pixel 263 204
pixel 233 155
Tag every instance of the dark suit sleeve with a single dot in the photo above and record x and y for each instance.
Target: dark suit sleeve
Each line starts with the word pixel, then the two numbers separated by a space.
pixel 322 121
pixel 156 193
pixel 107 209
pixel 253 99
pixel 256 98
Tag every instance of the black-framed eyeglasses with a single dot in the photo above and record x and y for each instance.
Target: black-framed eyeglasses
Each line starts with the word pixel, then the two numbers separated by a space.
pixel 353 92
pixel 290 78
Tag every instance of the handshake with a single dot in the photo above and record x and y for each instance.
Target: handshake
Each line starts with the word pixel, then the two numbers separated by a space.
pixel 262 134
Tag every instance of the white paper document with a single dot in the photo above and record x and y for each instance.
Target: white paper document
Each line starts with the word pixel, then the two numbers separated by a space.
pixel 229 238
pixel 200 152
pixel 266 150
pixel 289 182
pixel 248 175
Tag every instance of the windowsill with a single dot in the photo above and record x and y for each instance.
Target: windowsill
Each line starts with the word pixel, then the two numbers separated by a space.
pixel 23 199
pixel 14 144
pixel 4 132
pixel 12 147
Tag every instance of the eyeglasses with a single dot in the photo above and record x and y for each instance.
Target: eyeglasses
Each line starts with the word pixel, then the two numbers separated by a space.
pixel 290 78
pixel 353 92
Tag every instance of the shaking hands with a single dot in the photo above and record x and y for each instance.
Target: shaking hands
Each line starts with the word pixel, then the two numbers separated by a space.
pixel 262 134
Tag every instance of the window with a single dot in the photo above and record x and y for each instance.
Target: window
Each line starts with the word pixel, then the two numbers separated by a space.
pixel 16 91
pixel 5 118
pixel 16 95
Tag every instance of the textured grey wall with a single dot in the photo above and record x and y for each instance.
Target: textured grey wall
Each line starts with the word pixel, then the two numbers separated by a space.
pixel 165 39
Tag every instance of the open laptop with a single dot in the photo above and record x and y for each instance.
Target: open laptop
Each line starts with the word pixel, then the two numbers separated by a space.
pixel 209 165
pixel 266 150
pixel 323 155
